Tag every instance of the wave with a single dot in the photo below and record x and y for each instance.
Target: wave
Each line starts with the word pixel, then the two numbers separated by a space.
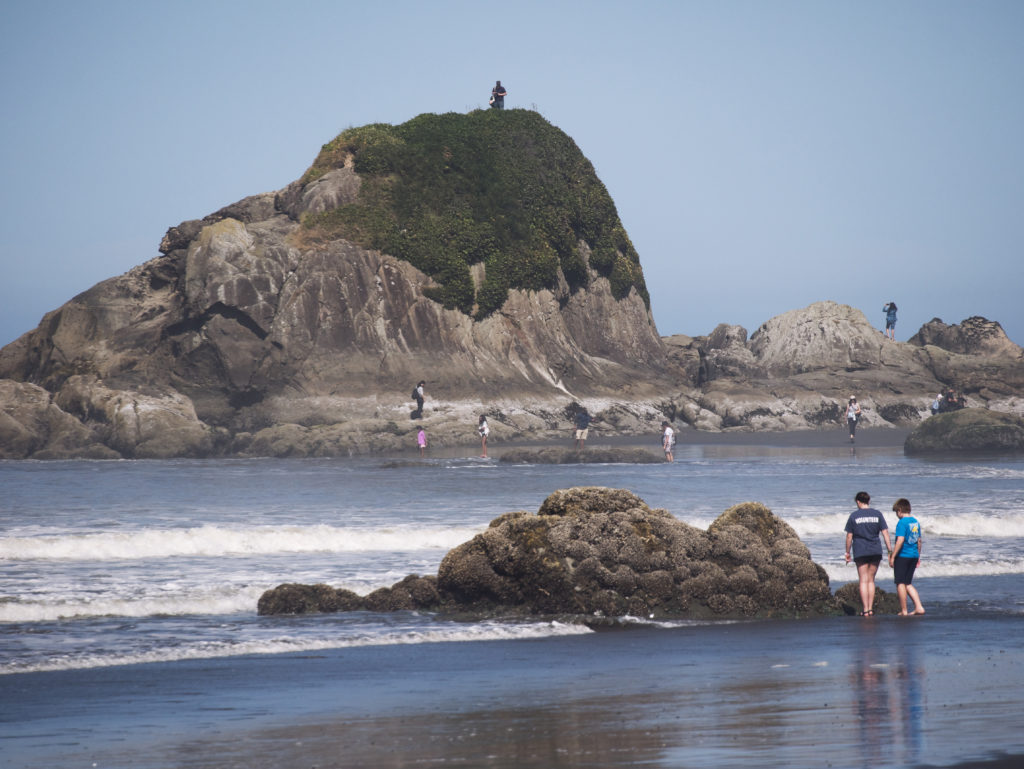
pixel 842 572
pixel 461 633
pixel 223 541
pixel 969 525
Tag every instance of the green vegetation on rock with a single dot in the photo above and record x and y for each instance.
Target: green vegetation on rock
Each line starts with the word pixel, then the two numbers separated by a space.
pixel 500 187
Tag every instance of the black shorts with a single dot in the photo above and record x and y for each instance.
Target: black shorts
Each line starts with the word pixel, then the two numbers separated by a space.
pixel 903 570
pixel 860 560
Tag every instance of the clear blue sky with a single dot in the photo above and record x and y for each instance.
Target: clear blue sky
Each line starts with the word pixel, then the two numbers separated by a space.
pixel 762 155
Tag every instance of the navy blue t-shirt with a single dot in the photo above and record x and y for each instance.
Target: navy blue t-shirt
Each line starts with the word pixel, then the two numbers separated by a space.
pixel 866 525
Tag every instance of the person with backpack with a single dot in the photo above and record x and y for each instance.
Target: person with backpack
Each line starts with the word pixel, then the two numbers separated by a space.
pixel 417 395
pixel 498 94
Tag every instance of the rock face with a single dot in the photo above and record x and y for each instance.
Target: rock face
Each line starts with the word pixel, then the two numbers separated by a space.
pixel 798 370
pixel 255 315
pixel 295 322
pixel 596 551
pixel 967 431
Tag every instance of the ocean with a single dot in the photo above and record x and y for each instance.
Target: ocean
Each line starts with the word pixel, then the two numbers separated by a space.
pixel 118 572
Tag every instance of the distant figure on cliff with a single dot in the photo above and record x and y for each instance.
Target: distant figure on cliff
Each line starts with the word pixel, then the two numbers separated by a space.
pixel 890 320
pixel 498 94
pixel 582 428
pixel 417 395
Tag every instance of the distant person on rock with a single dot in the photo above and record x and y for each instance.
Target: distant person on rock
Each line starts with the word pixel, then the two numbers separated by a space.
pixel 582 428
pixel 484 431
pixel 421 441
pixel 937 404
pixel 890 320
pixel 668 441
pixel 852 415
pixel 498 94
pixel 417 395
pixel 863 528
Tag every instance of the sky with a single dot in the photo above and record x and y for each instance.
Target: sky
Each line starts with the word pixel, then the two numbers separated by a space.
pixel 762 155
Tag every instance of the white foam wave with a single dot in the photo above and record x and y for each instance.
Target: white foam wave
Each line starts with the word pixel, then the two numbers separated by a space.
pixel 219 540
pixel 210 650
pixel 841 572
pixel 228 603
pixel 968 525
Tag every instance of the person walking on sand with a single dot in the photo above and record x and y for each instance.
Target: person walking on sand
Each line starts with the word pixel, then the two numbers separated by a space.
pixel 421 441
pixel 582 428
pixel 906 556
pixel 852 415
pixel 890 320
pixel 484 431
pixel 862 530
pixel 668 440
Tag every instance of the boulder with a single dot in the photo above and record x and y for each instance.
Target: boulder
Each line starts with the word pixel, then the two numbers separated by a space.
pixel 965 431
pixel 594 551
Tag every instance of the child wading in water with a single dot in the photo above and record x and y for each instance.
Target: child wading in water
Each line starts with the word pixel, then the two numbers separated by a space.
pixel 906 556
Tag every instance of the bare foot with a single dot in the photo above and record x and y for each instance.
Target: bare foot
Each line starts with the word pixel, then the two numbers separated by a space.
pixel 903 614
pixel 919 610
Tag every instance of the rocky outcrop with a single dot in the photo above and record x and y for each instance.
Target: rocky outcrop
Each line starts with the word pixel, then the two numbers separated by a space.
pixel 603 552
pixel 251 318
pixel 562 456
pixel 798 370
pixel 295 322
pixel 967 431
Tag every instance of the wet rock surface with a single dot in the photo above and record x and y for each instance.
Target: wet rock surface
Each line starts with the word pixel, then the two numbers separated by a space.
pixel 967 431
pixel 599 552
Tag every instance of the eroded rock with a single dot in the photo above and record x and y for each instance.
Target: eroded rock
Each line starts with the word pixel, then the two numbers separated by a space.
pixel 595 551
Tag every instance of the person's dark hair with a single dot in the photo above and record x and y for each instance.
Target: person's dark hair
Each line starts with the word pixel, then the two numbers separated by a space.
pixel 901 505
pixel 482 418
pixel 863 497
pixel 420 383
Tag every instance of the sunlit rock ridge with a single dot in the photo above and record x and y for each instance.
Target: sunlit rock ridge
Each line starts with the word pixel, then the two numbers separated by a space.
pixel 478 252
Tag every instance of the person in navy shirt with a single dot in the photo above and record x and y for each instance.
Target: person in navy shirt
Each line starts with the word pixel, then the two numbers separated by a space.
pixel 863 528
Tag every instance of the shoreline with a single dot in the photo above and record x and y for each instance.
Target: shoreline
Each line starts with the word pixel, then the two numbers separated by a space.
pixel 756 693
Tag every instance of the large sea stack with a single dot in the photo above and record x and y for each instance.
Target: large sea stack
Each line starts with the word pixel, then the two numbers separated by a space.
pixel 478 252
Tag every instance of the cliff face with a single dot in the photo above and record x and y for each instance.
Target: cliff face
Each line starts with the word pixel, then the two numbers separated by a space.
pixel 479 253
pixel 401 255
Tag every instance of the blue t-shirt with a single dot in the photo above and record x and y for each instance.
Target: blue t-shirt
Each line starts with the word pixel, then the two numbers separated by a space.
pixel 910 530
pixel 866 525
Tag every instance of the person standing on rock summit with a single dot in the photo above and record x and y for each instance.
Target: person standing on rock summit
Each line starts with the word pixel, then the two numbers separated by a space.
pixel 498 94
pixel 890 320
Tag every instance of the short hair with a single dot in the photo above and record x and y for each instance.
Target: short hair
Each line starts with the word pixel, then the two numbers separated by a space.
pixel 863 497
pixel 901 505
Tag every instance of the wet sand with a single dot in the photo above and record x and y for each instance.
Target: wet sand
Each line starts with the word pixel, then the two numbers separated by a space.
pixel 842 692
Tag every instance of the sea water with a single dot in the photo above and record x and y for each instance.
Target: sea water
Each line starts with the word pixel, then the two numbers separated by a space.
pixel 107 563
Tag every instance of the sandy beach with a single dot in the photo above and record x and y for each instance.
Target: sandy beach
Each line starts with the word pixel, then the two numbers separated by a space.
pixel 842 692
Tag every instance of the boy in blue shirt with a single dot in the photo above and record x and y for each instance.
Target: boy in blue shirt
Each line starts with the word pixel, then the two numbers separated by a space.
pixel 906 555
